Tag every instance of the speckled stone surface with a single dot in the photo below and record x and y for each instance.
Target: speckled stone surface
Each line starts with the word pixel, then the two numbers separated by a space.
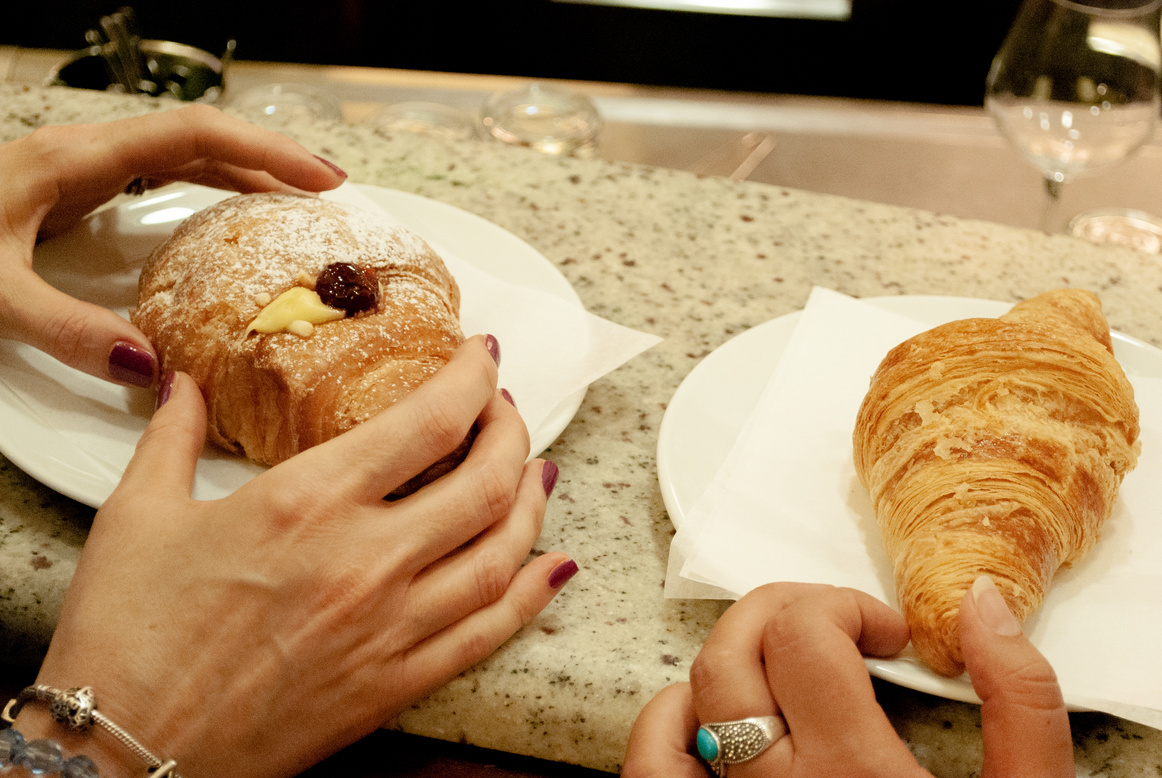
pixel 696 260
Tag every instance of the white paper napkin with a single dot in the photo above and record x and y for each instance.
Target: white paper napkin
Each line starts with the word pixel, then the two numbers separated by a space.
pixel 550 348
pixel 786 505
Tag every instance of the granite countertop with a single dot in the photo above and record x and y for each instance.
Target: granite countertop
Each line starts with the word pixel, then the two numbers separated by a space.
pixel 697 261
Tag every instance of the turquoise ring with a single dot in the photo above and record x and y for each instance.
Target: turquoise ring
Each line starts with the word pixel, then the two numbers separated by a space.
pixel 730 742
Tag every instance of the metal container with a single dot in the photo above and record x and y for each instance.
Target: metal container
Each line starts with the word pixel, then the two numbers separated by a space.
pixel 178 71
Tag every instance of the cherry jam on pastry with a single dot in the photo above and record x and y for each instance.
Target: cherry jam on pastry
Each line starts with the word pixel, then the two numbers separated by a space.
pixel 350 288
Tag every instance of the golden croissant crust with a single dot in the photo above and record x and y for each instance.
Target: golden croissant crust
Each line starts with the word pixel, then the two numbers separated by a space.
pixel 994 446
pixel 271 395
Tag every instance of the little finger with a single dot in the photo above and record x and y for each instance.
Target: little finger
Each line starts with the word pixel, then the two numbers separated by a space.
pixel 454 649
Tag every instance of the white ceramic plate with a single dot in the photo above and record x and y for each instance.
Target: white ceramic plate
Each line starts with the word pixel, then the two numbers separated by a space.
pixel 75 433
pixel 710 407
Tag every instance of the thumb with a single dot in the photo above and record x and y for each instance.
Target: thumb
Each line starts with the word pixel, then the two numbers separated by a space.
pixel 82 335
pixel 1023 717
pixel 167 452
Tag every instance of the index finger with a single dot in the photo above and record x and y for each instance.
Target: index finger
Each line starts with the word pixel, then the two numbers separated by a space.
pixel 377 456
pixel 814 660
pixel 166 140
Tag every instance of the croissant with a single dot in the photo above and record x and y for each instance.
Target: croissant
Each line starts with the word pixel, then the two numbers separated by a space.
pixel 994 446
pixel 298 317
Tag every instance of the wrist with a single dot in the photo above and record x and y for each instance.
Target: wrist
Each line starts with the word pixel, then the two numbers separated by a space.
pixel 112 757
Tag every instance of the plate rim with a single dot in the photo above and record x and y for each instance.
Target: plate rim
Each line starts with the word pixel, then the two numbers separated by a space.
pixel 91 487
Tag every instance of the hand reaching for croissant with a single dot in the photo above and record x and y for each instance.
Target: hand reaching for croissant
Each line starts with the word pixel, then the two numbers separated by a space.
pixel 796 650
pixel 55 176
pixel 256 634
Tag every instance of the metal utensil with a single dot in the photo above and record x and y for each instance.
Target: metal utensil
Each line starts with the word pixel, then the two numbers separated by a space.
pixel 127 54
pixel 144 67
pixel 101 46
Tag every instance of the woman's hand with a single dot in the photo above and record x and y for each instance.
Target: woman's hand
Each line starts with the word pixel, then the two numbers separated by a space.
pixel 256 634
pixel 796 650
pixel 55 176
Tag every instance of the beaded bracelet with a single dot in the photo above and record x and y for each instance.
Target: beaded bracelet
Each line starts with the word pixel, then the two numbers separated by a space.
pixel 77 710
pixel 42 757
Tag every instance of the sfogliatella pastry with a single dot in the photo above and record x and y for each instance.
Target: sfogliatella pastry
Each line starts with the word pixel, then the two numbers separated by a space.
pixel 994 446
pixel 298 317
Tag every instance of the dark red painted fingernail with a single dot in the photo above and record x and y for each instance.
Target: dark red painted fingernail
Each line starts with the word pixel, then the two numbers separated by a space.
pixel 338 170
pixel 132 365
pixel 562 573
pixel 493 346
pixel 549 473
pixel 164 390
pixel 507 397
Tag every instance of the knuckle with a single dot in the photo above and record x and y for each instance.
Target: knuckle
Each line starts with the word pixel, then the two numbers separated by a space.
pixel 440 426
pixel 525 610
pixel 349 592
pixel 705 677
pixel 797 621
pixel 476 647
pixel 293 507
pixel 784 628
pixel 493 574
pixel 1033 685
pixel 66 332
pixel 158 429
pixel 199 116
pixel 495 489
pixel 45 140
pixel 202 111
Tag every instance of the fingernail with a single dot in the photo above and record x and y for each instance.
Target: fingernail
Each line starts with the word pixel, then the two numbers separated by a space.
pixel 549 473
pixel 562 573
pixel 493 346
pixel 132 365
pixel 164 390
pixel 507 397
pixel 993 610
pixel 338 170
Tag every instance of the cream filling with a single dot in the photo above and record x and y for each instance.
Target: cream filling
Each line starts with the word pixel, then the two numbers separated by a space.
pixel 297 310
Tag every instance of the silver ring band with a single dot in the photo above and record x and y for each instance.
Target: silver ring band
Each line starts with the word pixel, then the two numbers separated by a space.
pixel 730 742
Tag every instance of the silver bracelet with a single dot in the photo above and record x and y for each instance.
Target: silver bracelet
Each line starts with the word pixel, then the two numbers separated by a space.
pixel 77 710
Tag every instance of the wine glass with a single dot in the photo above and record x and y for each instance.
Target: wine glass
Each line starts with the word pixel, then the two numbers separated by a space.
pixel 1075 88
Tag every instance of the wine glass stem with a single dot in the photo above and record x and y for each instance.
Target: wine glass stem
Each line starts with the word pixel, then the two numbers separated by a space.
pixel 1052 201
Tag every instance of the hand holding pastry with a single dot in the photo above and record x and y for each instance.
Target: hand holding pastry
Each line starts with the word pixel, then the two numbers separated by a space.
pixel 298 317
pixel 57 175
pixel 792 655
pixel 256 634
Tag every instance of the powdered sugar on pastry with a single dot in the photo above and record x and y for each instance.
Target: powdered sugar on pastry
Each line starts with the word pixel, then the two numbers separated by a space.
pixel 272 395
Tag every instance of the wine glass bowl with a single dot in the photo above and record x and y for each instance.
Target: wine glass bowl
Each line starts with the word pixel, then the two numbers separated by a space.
pixel 1074 87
